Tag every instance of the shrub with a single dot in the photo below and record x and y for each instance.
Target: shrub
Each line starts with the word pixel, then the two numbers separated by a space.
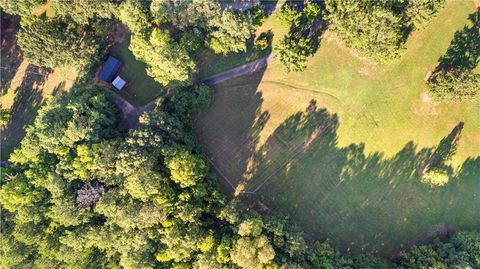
pixel 288 15
pixel 455 84
pixel 435 178
pixel 261 43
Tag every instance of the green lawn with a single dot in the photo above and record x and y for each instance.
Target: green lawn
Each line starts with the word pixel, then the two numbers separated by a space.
pixel 141 88
pixel 346 165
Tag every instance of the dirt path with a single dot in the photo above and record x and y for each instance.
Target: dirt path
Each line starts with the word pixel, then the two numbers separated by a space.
pixel 439 230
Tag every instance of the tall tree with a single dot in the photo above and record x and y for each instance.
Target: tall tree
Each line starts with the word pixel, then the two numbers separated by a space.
pixel 82 11
pixel 167 62
pixel 54 43
pixel 372 27
pixel 135 16
pixel 231 30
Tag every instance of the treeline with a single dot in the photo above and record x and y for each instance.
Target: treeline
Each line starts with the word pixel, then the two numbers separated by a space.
pixel 80 193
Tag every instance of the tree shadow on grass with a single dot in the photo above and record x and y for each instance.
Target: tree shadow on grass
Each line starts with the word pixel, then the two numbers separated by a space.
pixel 228 130
pixel 28 99
pixel 11 57
pixel 363 202
pixel 464 50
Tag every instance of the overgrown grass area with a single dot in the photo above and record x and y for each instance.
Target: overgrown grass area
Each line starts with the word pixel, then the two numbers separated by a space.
pixel 141 88
pixel 340 147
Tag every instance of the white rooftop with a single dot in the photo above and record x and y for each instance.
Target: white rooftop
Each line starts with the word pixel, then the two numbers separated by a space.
pixel 119 83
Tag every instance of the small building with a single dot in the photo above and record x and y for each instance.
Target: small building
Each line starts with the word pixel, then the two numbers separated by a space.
pixel 110 69
pixel 119 83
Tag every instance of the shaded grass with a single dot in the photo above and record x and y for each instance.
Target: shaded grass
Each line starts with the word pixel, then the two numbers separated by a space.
pixel 211 63
pixel 348 170
pixel 141 88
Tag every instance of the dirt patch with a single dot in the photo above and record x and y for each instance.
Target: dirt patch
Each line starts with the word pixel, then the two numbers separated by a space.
pixel 427 107
pixel 119 34
pixel 368 63
pixel 425 97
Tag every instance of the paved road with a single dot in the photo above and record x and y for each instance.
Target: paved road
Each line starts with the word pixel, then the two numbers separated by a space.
pixel 129 113
pixel 239 71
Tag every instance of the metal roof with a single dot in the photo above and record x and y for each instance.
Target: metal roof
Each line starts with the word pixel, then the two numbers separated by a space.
pixel 110 69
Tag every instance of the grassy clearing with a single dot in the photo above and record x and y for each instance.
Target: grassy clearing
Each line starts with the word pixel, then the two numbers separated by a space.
pixel 346 168
pixel 141 88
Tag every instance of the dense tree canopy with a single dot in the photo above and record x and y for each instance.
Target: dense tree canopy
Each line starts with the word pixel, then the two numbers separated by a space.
pixel 83 193
pixel 20 7
pixel 419 12
pixel 167 62
pixel 378 29
pixel 186 14
pixel 231 30
pixel 54 43
pixel 369 26
pixel 135 16
pixel 82 11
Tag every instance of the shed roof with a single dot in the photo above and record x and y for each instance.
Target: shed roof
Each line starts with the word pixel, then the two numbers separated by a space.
pixel 119 83
pixel 110 69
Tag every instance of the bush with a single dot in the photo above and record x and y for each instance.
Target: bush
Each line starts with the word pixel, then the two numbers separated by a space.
pixel 435 178
pixel 262 42
pixel 288 15
pixel 455 84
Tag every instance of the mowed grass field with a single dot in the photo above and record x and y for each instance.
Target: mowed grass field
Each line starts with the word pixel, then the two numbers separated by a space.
pixel 339 147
